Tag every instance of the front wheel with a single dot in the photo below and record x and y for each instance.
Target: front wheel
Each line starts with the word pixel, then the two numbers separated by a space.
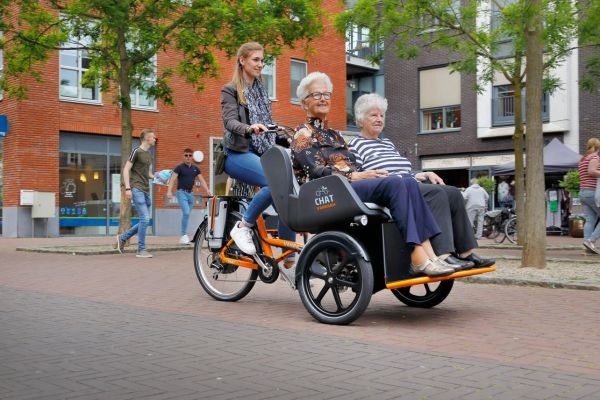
pixel 336 282
pixel 223 282
pixel 426 295
pixel 510 230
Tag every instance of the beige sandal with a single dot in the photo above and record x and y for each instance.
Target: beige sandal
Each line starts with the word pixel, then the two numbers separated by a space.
pixel 432 268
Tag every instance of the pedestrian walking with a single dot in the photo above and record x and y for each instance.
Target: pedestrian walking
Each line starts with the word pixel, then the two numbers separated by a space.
pixel 589 172
pixel 136 178
pixel 476 199
pixel 186 174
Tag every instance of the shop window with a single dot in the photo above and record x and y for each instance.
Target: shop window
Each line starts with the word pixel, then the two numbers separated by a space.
pixel 297 73
pixel 439 94
pixel 89 185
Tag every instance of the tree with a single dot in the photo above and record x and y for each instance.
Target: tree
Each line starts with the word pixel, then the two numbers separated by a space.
pixel 123 37
pixel 535 205
pixel 485 38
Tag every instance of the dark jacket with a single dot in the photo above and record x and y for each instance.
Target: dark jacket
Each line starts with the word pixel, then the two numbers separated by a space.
pixel 235 120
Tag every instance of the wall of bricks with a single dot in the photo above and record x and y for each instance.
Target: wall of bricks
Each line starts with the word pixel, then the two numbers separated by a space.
pixel 402 119
pixel 31 150
pixel 589 105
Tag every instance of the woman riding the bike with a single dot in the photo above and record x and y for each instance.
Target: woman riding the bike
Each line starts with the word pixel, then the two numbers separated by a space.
pixel 246 112
pixel 319 151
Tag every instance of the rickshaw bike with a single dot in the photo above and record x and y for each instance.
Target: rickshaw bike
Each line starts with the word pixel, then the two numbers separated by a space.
pixel 354 250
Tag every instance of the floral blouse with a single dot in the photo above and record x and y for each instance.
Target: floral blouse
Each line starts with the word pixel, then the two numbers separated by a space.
pixel 318 151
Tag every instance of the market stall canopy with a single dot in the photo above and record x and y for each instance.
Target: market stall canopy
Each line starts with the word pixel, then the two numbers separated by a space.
pixel 557 158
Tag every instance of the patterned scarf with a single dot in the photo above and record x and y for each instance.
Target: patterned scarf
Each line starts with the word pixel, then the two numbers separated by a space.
pixel 259 106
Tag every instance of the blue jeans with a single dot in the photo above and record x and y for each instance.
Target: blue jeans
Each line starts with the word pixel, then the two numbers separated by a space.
pixel 141 202
pixel 591 230
pixel 186 202
pixel 246 167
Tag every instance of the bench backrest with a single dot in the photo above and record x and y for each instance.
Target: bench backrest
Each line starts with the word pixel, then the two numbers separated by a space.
pixel 319 204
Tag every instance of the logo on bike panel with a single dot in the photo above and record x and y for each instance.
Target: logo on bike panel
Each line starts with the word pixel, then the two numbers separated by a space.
pixel 324 199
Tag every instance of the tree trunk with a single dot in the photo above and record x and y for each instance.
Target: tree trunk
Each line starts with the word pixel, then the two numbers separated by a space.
pixel 126 125
pixel 519 163
pixel 534 249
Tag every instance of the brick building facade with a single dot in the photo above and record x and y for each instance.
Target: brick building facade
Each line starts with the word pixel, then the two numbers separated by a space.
pixel 483 139
pixel 72 148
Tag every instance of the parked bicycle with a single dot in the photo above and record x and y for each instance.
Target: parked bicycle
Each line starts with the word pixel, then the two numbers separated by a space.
pixel 500 224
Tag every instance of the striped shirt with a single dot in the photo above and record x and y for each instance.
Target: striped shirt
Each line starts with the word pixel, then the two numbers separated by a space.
pixel 586 181
pixel 379 154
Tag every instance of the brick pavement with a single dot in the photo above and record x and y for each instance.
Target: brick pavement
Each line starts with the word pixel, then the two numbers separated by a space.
pixel 118 327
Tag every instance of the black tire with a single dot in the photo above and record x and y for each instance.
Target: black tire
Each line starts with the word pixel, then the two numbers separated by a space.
pixel 426 295
pixel 336 281
pixel 510 230
pixel 223 282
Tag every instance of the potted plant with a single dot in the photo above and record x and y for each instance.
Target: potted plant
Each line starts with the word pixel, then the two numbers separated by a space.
pixel 570 183
pixel 488 184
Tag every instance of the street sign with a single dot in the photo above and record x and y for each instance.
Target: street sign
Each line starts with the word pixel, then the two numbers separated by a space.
pixel 3 125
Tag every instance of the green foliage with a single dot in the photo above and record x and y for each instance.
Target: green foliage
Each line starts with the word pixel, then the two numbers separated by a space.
pixel 488 184
pixel 122 37
pixel 465 28
pixel 570 182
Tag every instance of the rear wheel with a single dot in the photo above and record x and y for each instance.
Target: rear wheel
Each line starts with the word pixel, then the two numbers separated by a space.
pixel 225 282
pixel 511 230
pixel 426 295
pixel 336 282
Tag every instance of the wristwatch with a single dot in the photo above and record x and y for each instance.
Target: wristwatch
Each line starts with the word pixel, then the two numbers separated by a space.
pixel 126 189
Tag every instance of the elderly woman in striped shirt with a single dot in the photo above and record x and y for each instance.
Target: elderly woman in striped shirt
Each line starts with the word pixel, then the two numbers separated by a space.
pixel 318 151
pixel 456 242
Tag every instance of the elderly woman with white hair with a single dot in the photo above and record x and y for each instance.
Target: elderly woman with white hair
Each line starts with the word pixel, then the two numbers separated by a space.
pixel 319 151
pixel 456 242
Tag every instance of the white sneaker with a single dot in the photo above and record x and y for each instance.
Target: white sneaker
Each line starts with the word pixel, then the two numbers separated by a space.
pixel 591 246
pixel 242 236
pixel 184 239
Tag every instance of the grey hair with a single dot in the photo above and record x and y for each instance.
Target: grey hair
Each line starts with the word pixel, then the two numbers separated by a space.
pixel 302 90
pixel 474 181
pixel 366 103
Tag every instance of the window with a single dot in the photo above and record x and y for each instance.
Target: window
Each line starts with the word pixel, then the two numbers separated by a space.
pixel 268 77
pixel 74 62
pixel 503 105
pixel 503 45
pixel 431 23
pixel 1 64
pixel 297 72
pixel 439 94
pixel 357 42
pixel 139 94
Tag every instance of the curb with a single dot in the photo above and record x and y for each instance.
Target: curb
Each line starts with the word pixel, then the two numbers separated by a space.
pixel 99 249
pixel 528 282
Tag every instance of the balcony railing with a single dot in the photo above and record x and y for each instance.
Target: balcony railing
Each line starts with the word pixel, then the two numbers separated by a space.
pixel 503 110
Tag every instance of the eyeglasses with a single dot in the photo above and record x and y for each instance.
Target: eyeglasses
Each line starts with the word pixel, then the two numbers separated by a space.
pixel 187 155
pixel 319 95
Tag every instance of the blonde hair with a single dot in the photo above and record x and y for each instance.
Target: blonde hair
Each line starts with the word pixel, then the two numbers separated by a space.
pixel 238 77
pixel 592 146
